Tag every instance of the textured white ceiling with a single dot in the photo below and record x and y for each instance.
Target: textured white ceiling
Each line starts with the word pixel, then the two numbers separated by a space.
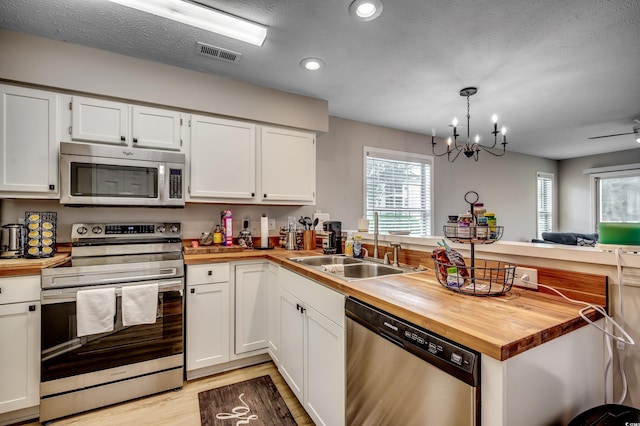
pixel 555 71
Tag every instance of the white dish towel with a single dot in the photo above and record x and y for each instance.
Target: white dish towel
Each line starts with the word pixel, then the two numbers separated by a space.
pixel 139 304
pixel 95 311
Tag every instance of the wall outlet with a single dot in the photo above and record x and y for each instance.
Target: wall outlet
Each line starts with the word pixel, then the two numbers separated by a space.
pixel 526 277
pixel 272 224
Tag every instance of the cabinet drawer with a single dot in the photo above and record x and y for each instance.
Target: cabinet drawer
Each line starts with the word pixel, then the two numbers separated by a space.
pixel 207 274
pixel 19 289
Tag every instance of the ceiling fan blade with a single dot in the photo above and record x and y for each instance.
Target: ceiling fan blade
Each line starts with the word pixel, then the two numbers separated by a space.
pixel 609 136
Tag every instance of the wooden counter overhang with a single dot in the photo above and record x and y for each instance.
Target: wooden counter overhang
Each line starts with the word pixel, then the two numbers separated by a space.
pixel 500 327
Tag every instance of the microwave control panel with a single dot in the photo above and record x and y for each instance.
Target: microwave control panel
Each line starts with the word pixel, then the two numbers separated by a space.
pixel 175 184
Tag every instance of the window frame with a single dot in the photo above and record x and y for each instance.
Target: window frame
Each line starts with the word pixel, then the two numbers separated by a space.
pixel 389 154
pixel 595 175
pixel 550 177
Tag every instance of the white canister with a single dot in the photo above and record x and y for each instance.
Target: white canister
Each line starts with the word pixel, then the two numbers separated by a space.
pixel 363 224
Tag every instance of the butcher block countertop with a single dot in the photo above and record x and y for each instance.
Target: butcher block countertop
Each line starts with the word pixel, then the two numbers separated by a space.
pixel 18 267
pixel 500 327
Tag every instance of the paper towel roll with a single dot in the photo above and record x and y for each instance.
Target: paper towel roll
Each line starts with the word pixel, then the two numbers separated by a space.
pixel 264 232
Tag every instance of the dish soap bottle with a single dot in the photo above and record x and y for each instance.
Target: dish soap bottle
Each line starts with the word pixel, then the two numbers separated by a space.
pixel 357 247
pixel 348 245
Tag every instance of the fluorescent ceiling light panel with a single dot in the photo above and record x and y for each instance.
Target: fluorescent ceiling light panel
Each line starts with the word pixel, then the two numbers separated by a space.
pixel 201 17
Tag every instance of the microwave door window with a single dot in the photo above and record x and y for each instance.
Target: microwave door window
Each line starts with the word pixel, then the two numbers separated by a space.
pixel 102 180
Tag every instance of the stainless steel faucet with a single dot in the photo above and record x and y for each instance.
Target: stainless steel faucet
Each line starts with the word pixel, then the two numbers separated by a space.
pixel 375 235
pixel 396 250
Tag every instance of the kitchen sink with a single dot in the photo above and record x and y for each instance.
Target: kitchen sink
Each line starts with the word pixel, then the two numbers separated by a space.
pixel 348 268
pixel 326 260
pixel 368 270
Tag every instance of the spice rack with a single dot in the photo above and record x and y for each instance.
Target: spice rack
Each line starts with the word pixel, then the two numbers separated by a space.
pixel 482 277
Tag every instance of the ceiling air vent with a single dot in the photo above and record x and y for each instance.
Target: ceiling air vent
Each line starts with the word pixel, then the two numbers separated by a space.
pixel 218 52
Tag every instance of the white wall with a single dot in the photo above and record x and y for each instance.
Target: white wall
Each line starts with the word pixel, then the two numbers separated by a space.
pixel 574 187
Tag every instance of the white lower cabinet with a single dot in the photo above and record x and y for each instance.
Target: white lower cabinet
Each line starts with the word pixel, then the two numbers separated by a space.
pixel 273 314
pixel 208 319
pixel 20 343
pixel 312 346
pixel 226 316
pixel 251 307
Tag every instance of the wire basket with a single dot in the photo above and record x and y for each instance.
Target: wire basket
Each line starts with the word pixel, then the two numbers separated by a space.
pixel 485 278
pixel 473 234
pixel 41 234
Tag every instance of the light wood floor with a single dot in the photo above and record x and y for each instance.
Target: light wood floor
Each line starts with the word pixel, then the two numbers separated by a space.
pixel 181 407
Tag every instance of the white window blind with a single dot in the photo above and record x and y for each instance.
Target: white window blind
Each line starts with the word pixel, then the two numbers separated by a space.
pixel 545 203
pixel 398 186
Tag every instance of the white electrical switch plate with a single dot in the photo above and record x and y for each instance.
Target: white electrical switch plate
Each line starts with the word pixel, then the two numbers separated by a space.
pixel 272 224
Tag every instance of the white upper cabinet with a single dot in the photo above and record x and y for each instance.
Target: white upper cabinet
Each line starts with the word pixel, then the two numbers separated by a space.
pixel 116 123
pixel 28 143
pixel 222 159
pixel 288 166
pixel 155 128
pixel 228 164
pixel 96 120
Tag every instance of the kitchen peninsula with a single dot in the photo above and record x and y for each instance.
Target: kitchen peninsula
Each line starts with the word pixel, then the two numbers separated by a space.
pixel 533 345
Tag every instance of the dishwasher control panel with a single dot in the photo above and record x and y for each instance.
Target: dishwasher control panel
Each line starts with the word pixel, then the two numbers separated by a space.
pixel 456 359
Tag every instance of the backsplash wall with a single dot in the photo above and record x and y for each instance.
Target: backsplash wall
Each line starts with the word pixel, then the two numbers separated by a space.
pixel 195 218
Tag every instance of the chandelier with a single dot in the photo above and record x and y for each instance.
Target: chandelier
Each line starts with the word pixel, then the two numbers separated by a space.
pixel 470 149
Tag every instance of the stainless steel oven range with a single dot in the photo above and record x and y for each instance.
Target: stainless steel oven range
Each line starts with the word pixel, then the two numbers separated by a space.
pixel 81 371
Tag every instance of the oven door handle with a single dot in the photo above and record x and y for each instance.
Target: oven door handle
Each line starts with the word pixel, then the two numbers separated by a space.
pixel 70 294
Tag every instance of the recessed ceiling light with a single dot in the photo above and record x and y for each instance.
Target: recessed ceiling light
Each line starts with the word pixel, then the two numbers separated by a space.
pixel 365 10
pixel 311 64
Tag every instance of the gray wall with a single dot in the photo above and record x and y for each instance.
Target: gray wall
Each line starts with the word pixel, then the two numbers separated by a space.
pixel 574 187
pixel 71 67
pixel 506 185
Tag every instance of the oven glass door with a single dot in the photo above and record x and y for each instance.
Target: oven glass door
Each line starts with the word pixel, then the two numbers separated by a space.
pixel 64 354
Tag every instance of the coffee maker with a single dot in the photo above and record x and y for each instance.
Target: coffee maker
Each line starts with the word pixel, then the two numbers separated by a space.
pixel 334 241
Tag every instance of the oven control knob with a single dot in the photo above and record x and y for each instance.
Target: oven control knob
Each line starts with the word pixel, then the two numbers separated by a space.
pixel 173 228
pixel 96 230
pixel 82 230
pixel 161 228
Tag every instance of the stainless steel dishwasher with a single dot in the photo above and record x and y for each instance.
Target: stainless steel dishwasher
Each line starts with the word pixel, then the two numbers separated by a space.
pixel 401 374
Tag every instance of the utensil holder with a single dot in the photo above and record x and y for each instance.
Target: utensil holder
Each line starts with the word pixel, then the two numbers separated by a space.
pixel 309 240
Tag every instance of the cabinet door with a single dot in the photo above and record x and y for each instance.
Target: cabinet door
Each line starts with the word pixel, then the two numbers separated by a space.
pixel 251 307
pixel 222 160
pixel 292 342
pixel 156 128
pixel 325 369
pixel 207 325
pixel 96 120
pixel 28 142
pixel 288 166
pixel 273 313
pixel 20 356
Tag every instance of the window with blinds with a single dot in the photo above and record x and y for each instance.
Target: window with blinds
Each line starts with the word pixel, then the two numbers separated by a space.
pixel 398 186
pixel 545 203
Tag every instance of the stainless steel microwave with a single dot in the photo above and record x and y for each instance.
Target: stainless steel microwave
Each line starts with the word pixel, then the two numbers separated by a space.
pixel 95 175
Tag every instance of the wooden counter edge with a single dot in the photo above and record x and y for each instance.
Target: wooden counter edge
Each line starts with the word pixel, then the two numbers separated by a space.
pixel 498 352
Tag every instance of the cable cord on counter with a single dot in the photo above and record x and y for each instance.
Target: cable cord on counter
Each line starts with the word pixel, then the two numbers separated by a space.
pixel 624 339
